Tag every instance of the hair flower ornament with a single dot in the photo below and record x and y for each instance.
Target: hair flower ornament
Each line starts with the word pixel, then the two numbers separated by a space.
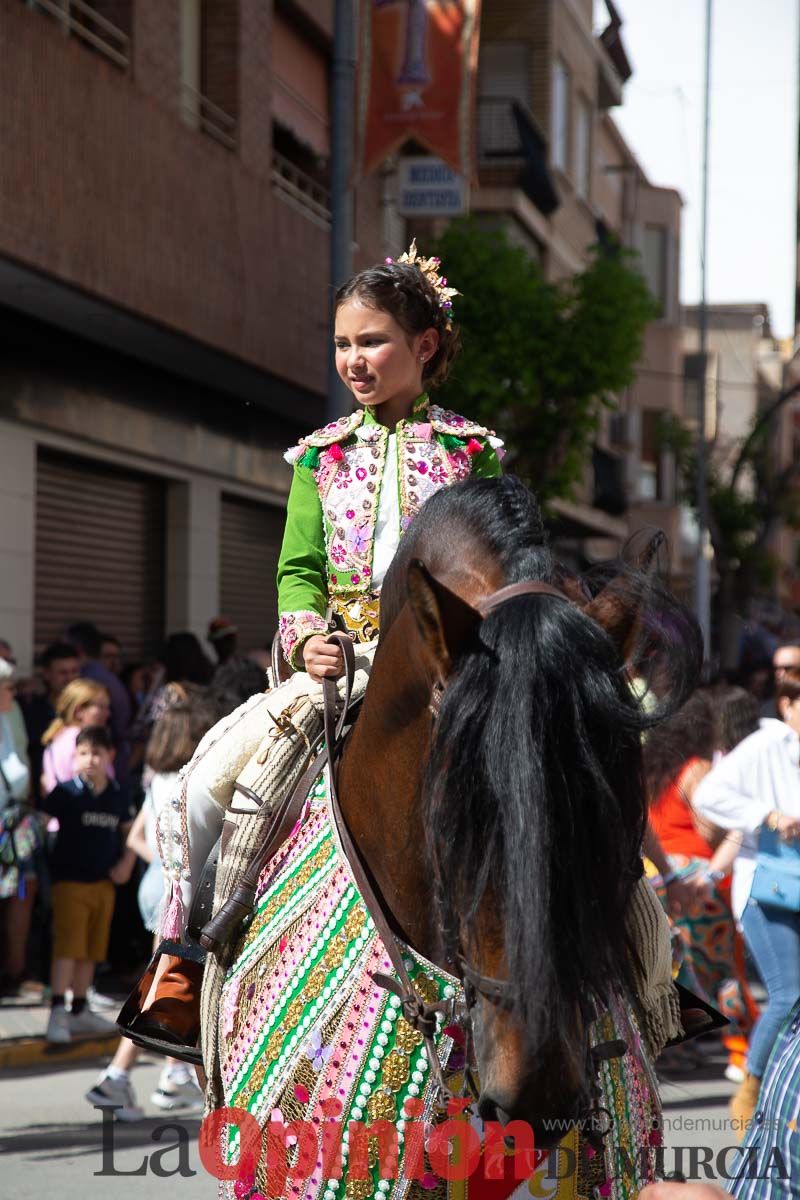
pixel 430 269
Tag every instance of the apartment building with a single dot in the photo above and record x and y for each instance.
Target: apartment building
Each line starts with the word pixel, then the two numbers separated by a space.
pixel 746 370
pixel 556 171
pixel 164 233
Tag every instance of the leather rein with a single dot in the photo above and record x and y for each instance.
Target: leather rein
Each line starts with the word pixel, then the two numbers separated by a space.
pixel 420 1014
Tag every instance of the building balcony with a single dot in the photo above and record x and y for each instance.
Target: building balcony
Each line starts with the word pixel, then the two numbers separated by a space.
pixel 201 113
pixel 510 143
pixel 300 190
pixel 82 21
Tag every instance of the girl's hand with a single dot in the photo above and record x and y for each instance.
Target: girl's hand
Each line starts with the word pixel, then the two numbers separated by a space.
pixel 323 659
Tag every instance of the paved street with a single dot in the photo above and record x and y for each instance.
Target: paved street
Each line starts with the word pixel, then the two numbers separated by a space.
pixel 51 1140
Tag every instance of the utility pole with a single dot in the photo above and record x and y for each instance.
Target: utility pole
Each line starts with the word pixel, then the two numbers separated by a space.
pixel 342 110
pixel 703 563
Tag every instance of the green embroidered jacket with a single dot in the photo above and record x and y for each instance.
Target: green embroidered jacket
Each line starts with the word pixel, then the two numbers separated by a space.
pixel 329 542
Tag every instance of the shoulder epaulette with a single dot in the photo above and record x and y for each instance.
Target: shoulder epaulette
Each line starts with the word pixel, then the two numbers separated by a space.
pixel 336 431
pixel 446 422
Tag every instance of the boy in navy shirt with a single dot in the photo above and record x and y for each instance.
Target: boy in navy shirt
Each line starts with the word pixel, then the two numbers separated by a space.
pixel 87 861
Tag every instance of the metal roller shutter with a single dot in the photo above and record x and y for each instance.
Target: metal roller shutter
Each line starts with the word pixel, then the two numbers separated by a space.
pixel 251 536
pixel 99 552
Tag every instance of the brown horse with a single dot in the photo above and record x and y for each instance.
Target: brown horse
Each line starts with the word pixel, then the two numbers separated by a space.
pixel 493 782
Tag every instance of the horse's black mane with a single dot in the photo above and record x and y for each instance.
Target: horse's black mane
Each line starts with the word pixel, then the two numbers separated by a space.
pixel 534 783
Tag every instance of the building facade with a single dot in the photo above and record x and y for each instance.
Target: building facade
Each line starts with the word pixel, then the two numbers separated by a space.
pixel 556 171
pixel 747 369
pixel 164 248
pixel 164 234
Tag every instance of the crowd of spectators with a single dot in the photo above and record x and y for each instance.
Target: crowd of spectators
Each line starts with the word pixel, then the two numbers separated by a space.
pixel 89 748
pixel 722 771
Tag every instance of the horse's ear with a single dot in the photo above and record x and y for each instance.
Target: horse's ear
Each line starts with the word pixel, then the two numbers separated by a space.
pixel 444 620
pixel 618 606
pixel 617 609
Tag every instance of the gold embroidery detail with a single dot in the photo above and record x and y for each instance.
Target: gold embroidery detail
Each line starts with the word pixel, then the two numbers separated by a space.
pixel 334 954
pixel 315 982
pixel 406 1037
pixel 304 874
pixel 353 923
pixel 426 988
pixel 358 1189
pixel 295 1011
pixel 274 1043
pixel 396 1068
pixel 381 1106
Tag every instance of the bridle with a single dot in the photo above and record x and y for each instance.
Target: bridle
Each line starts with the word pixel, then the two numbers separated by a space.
pixel 489 604
pixel 420 1014
pixel 499 992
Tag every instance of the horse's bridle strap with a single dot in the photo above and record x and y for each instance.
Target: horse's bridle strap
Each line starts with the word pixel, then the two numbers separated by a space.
pixel 420 1014
pixel 530 587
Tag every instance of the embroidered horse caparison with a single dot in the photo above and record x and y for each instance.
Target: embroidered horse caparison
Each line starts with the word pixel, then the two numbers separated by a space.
pixel 302 1023
pixel 505 831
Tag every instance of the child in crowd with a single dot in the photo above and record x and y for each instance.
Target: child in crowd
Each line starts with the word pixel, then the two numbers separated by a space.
pixel 81 704
pixel 87 861
pixel 172 743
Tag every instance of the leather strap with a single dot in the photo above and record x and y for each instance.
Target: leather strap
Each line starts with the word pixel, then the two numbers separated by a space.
pixel 202 906
pixel 419 1014
pixel 531 587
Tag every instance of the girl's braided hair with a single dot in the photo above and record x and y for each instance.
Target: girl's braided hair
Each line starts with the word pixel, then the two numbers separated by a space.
pixel 401 290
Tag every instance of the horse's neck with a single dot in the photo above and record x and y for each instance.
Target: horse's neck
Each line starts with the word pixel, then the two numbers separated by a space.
pixel 379 788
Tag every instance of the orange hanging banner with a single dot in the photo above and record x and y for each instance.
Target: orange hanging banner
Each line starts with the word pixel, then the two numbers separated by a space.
pixel 416 80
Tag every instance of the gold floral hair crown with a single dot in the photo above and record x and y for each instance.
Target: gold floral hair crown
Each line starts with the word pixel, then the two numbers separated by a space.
pixel 430 269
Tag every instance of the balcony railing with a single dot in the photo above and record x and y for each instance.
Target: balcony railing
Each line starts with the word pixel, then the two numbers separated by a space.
pixel 498 131
pixel 203 114
pixel 301 190
pixel 509 137
pixel 82 21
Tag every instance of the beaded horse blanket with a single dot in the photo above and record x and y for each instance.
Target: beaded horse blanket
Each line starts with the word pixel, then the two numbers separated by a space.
pixel 306 1036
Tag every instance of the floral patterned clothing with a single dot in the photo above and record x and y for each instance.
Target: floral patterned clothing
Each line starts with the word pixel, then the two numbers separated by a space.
pixel 347 495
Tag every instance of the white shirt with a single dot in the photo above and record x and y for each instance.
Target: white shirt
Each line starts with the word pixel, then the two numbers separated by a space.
pixel 387 522
pixel 762 773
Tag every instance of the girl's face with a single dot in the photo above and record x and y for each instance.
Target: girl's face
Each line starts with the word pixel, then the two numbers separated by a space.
pixel 376 358
pixel 96 712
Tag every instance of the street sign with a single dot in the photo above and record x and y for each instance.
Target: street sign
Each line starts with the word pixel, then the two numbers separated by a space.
pixel 427 187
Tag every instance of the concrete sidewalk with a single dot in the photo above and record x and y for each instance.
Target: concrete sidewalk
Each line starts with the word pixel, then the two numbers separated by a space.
pixel 23 1023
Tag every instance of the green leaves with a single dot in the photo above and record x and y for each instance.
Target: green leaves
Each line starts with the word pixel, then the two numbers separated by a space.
pixel 541 359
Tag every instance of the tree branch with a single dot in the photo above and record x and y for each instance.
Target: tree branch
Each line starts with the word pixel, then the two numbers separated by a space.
pixel 763 419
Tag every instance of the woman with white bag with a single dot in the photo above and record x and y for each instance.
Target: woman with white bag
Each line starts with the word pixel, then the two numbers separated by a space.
pixel 755 787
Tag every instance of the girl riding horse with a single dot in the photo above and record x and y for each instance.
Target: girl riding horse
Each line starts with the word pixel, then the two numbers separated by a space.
pixel 491 787
pixel 359 482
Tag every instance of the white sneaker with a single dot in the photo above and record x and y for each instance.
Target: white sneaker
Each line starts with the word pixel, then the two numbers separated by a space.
pixel 59 1026
pixel 735 1074
pixel 117 1094
pixel 97 1002
pixel 89 1024
pixel 172 1096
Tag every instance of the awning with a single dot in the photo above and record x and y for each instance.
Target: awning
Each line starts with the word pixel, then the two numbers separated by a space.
pixel 300 87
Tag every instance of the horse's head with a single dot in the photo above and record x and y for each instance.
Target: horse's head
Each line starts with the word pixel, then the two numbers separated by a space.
pixel 532 801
